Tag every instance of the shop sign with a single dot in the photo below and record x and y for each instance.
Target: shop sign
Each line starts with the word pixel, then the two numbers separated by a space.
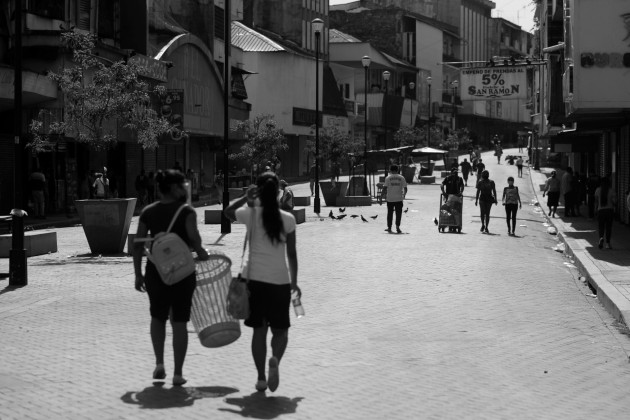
pixel 601 57
pixel 150 67
pixel 340 123
pixel 304 117
pixel 172 108
pixel 492 83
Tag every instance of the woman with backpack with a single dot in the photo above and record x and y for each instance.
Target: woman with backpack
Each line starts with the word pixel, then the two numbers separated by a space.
pixel 512 202
pixel 271 243
pixel 486 197
pixel 175 299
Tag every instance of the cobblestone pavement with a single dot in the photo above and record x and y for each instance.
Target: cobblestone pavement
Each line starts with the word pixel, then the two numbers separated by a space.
pixel 411 326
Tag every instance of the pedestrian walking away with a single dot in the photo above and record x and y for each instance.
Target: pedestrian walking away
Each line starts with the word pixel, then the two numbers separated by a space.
pixel 519 166
pixel 605 202
pixel 270 281
pixel 512 201
pixel 592 183
pixel 486 197
pixel 466 168
pixel 395 189
pixel 552 190
pixel 168 300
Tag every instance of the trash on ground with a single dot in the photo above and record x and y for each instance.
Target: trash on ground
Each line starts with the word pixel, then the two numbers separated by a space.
pixel 546 224
pixel 591 295
pixel 522 225
pixel 583 279
pixel 552 230
pixel 558 248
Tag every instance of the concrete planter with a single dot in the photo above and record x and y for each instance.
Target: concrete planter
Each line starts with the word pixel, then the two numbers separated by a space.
pixel 106 223
pixel 408 172
pixel 331 193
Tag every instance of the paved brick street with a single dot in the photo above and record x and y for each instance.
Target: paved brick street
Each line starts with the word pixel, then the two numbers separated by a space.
pixel 411 326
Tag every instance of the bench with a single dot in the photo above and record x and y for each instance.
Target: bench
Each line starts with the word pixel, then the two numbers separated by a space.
pixel 302 201
pixel 35 243
pixel 427 180
pixel 300 215
pixel 212 217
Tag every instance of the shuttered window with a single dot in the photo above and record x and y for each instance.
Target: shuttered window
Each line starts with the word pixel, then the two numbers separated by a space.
pixel 84 15
pixel 219 23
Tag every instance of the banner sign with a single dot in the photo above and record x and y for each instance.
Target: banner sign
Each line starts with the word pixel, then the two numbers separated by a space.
pixel 172 108
pixel 493 83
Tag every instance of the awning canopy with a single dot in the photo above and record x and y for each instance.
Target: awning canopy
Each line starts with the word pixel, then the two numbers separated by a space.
pixel 423 151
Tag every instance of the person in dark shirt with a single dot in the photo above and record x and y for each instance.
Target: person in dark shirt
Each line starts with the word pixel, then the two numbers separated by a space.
pixel 174 301
pixel 466 168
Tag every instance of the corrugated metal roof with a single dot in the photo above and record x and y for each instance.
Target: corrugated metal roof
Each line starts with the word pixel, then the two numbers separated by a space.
pixel 335 35
pixel 248 39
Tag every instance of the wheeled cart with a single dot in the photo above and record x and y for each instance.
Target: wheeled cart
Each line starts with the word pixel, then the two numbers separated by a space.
pixel 450 213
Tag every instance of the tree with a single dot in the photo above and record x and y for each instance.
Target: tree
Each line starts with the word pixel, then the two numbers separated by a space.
pixel 456 139
pixel 265 140
pixel 335 145
pixel 97 96
pixel 409 136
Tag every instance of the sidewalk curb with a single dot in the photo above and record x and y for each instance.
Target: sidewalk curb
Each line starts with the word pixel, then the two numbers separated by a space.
pixel 607 293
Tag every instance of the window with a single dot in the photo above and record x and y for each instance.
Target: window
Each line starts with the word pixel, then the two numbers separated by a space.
pixel 53 9
pixel 108 19
pixel 84 14
pixel 219 23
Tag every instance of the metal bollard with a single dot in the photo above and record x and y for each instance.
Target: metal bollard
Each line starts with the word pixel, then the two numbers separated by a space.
pixel 17 255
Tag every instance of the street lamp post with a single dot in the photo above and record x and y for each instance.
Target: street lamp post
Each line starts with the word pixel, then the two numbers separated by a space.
pixel 226 224
pixel 429 129
pixel 366 65
pixel 318 26
pixel 386 75
pixel 455 84
pixel 412 85
pixel 18 273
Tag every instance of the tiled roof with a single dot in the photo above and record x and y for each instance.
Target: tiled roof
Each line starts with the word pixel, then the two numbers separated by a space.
pixel 249 40
pixel 335 35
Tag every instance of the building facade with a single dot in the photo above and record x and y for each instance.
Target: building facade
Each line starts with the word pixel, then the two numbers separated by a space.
pixel 586 100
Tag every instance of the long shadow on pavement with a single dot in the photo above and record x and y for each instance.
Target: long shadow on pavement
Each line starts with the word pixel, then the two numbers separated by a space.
pixel 259 406
pixel 158 397
pixel 88 258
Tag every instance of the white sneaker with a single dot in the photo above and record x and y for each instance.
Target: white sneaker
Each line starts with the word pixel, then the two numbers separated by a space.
pixel 608 246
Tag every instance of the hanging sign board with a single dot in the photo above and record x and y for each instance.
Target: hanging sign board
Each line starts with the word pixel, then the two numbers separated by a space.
pixel 493 83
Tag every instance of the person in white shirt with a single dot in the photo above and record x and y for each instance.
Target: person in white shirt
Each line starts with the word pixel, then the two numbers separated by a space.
pixel 395 189
pixel 270 281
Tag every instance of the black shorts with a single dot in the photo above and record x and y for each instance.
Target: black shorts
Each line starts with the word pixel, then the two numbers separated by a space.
pixel 269 305
pixel 164 298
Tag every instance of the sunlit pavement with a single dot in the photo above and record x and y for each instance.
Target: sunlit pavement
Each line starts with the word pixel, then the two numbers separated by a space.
pixel 398 326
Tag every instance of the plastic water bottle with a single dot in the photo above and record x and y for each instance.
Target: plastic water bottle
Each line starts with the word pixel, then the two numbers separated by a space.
pixel 297 305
